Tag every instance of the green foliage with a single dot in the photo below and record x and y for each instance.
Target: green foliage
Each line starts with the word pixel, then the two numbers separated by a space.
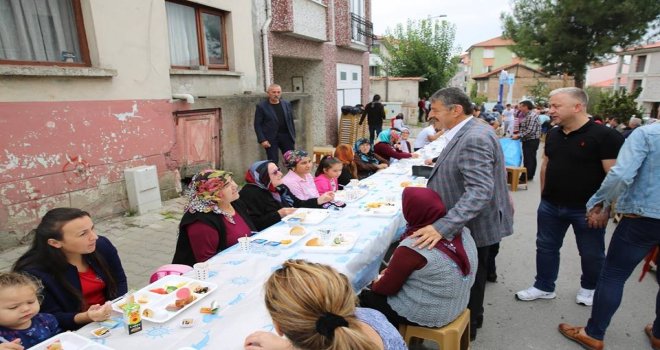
pixel 539 92
pixel 565 36
pixel 422 49
pixel 479 99
pixel 619 104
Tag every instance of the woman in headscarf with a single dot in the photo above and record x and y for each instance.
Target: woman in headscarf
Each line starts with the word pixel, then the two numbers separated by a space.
pixel 427 287
pixel 299 178
pixel 213 219
pixel 268 199
pixel 385 146
pixel 366 161
pixel 404 144
pixel 349 170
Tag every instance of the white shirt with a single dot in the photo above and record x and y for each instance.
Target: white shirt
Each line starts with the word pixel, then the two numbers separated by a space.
pixel 508 115
pixel 423 137
pixel 449 134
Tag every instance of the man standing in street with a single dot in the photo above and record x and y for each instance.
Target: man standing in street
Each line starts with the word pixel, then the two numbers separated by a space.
pixel 470 177
pixel 530 134
pixel 578 155
pixel 421 104
pixel 633 180
pixel 375 114
pixel 273 124
pixel 508 120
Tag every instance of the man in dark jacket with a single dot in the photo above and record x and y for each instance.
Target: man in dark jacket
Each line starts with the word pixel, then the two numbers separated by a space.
pixel 375 113
pixel 273 124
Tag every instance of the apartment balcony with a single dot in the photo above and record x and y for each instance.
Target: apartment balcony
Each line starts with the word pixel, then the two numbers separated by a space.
pixel 304 19
pixel 362 30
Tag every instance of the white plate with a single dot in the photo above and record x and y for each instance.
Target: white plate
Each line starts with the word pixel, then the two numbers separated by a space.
pixel 386 210
pixel 157 302
pixel 71 341
pixel 347 244
pixel 308 216
pixel 341 195
pixel 278 233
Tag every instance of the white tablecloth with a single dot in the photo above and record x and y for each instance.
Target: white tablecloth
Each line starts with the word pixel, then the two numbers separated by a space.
pixel 240 277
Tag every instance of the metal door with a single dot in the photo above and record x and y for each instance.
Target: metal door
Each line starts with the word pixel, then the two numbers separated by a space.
pixel 198 140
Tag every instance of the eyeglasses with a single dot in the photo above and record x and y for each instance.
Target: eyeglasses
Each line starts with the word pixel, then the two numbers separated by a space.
pixel 276 171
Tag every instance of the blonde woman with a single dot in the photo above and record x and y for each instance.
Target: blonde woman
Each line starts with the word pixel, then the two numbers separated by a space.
pixel 314 306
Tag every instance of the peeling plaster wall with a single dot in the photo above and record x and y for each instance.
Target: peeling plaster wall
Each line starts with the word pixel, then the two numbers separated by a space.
pixel 74 154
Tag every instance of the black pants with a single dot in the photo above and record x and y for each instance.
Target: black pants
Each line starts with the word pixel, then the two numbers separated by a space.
pixel 529 149
pixel 374 130
pixel 420 116
pixel 282 142
pixel 492 253
pixel 379 302
pixel 478 291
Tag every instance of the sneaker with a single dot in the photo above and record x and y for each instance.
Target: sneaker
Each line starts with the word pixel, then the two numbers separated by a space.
pixel 585 297
pixel 532 293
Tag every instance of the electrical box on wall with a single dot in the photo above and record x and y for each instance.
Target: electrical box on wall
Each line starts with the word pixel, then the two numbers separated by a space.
pixel 143 190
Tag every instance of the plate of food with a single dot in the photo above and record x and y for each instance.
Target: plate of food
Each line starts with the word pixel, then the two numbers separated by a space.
pixel 338 242
pixel 350 195
pixel 284 234
pixel 379 208
pixel 69 341
pixel 308 216
pixel 169 296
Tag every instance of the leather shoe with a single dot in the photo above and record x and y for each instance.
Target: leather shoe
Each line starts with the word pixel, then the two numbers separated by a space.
pixel 655 342
pixel 578 335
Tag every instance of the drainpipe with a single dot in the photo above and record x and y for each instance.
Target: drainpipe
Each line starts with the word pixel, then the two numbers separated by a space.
pixel 264 43
pixel 188 97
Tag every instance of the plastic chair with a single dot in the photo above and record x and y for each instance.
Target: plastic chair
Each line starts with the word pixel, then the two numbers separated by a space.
pixel 454 336
pixel 169 269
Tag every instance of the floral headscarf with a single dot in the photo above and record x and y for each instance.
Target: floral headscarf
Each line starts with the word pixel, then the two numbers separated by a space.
pixel 203 191
pixel 258 176
pixel 369 157
pixel 389 136
pixel 293 157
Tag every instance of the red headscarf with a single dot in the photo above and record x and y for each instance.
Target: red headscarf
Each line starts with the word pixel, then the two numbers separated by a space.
pixel 422 207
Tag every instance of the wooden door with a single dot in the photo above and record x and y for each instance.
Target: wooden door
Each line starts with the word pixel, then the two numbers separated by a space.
pixel 198 140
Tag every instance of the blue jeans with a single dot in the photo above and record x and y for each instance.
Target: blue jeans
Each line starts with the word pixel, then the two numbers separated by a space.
pixel 632 240
pixel 553 222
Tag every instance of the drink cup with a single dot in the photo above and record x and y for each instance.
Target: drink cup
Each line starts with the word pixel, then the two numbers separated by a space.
pixel 244 243
pixel 201 271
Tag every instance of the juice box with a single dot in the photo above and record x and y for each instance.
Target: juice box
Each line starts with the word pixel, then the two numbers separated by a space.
pixel 132 317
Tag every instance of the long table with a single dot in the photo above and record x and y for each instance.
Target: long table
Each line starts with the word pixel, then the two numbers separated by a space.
pixel 240 276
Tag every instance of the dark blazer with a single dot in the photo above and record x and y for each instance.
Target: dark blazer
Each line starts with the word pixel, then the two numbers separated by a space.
pixel 183 253
pixel 470 177
pixel 62 304
pixel 262 207
pixel 266 123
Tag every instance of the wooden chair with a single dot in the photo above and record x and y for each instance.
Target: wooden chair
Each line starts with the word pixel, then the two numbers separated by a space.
pixel 454 336
pixel 513 174
pixel 319 152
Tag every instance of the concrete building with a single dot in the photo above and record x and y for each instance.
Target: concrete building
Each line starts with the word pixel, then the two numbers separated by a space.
pixel 460 79
pixel 603 75
pixel 108 85
pixel 400 90
pixel 644 72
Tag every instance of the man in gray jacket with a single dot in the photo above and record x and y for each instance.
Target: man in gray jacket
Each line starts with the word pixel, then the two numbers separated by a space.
pixel 470 177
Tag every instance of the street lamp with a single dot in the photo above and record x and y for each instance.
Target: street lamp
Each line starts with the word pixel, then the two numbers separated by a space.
pixel 438 16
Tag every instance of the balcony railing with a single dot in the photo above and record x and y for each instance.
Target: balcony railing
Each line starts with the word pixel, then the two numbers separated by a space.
pixel 362 30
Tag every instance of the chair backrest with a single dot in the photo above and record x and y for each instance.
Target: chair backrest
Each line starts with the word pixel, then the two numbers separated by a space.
pixel 169 269
pixel 512 150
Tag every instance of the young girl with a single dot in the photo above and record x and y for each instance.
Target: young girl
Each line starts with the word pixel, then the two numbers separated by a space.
pixel 20 321
pixel 80 270
pixel 349 170
pixel 327 173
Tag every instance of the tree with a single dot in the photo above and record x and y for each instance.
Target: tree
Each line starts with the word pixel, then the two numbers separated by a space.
pixel 422 49
pixel 565 36
pixel 619 104
pixel 539 92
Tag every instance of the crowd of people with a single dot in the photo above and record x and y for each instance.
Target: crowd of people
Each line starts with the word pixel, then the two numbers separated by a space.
pixel 440 266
